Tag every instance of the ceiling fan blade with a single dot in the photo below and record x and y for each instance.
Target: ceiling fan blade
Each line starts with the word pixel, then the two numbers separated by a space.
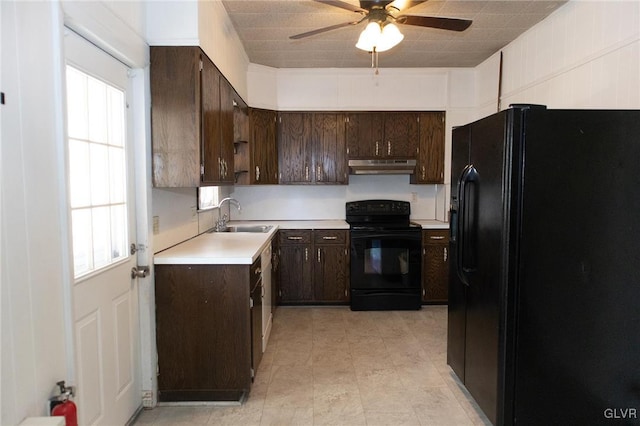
pixel 401 5
pixel 323 30
pixel 343 5
pixel 453 24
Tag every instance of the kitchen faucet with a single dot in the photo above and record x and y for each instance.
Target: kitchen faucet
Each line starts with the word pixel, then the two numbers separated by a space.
pixel 221 223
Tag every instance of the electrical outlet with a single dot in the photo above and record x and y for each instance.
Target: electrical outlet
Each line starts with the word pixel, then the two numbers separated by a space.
pixel 194 213
pixel 414 197
pixel 156 225
pixel 147 399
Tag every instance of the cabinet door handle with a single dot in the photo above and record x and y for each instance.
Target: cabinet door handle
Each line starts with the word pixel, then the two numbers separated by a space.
pixel 306 173
pixel 446 254
pixel 257 173
pixel 329 238
pixel 424 173
pixel 436 237
pixel 294 238
pixel 377 148
pixel 318 255
pixel 258 271
pixel 306 254
pixel 388 147
pixel 424 292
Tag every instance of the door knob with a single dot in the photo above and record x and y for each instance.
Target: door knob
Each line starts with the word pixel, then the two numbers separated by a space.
pixel 139 272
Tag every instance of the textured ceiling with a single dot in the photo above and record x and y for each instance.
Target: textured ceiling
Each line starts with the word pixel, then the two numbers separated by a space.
pixel 264 26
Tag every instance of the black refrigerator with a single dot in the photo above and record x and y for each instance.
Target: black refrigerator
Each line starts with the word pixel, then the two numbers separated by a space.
pixel 544 292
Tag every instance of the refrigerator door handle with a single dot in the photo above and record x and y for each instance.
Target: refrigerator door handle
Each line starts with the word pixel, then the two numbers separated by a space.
pixel 466 222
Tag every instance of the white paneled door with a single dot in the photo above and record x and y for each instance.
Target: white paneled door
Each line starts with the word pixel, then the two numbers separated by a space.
pixel 101 205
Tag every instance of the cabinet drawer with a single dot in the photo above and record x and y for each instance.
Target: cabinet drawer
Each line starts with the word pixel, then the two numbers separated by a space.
pixel 435 236
pixel 294 236
pixel 330 236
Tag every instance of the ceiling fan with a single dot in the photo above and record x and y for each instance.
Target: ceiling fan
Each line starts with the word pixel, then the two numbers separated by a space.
pixel 381 16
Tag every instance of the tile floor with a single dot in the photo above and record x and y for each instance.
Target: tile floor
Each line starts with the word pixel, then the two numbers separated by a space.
pixel 332 366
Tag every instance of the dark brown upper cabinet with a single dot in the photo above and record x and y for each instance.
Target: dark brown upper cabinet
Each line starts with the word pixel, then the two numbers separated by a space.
pixel 382 134
pixel 400 134
pixel 226 168
pixel 295 152
pixel 312 148
pixel 191 119
pixel 329 148
pixel 430 161
pixel 364 132
pixel 263 146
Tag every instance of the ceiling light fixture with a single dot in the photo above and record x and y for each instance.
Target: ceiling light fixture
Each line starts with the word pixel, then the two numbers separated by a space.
pixel 378 36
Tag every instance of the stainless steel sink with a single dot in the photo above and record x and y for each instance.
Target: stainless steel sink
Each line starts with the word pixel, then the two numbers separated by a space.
pixel 248 228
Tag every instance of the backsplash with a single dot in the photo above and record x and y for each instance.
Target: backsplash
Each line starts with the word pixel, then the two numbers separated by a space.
pixel 174 206
pixel 317 202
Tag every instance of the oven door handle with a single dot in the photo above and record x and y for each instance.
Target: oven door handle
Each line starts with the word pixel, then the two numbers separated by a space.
pixel 387 235
pixel 467 223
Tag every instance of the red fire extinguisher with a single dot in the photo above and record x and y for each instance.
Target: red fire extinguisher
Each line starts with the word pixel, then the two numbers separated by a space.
pixel 63 406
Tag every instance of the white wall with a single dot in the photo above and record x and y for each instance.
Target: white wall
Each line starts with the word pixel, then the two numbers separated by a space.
pixel 172 23
pixel 585 55
pixel 318 202
pixel 565 61
pixel 203 23
pixel 36 267
pixel 415 89
pixel 33 265
pixel 222 44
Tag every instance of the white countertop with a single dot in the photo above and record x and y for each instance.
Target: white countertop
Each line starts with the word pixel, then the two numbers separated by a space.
pixel 297 224
pixel 243 248
pixel 431 223
pixel 217 248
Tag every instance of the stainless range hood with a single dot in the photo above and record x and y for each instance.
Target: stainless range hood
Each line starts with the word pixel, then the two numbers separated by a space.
pixel 382 167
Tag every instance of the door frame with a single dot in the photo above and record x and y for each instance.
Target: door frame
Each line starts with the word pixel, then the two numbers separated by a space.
pixel 101 26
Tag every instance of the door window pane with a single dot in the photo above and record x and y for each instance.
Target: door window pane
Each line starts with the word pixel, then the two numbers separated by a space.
pixel 78 122
pixel 97 172
pixel 97 104
pixel 82 251
pixel 80 187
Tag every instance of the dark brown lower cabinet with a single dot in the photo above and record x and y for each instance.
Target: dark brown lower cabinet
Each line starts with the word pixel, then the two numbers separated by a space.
pixel 295 283
pixel 313 266
pixel 203 331
pixel 331 266
pixel 435 266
